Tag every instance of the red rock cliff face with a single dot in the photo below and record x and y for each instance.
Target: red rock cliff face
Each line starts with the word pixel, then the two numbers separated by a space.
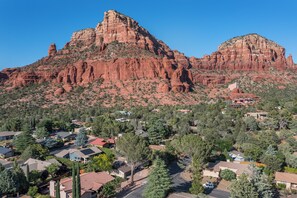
pixel 3 76
pixel 117 49
pixel 52 50
pixel 249 52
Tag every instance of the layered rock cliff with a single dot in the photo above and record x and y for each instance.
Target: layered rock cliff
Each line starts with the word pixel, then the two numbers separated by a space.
pixel 250 52
pixel 118 49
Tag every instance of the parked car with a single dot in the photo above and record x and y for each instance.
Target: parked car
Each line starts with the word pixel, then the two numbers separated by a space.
pixel 209 185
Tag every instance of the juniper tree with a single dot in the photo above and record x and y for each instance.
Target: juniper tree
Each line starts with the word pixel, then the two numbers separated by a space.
pixel 243 188
pixel 81 139
pixel 262 183
pixel 159 181
pixel 22 141
pixel 8 182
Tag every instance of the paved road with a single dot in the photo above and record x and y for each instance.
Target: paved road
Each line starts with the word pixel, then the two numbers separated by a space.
pixel 178 183
pixel 219 194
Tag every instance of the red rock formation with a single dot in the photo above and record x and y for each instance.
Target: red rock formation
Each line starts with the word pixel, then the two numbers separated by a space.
pixel 163 88
pixel 118 49
pixel 59 92
pixel 52 50
pixel 118 27
pixel 290 61
pixel 249 52
pixel 3 76
pixel 67 87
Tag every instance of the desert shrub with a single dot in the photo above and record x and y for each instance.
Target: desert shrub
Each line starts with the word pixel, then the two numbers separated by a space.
pixel 227 175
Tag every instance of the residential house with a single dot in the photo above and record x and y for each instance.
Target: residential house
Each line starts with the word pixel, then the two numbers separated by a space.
pixel 77 130
pixel 125 113
pixel 6 164
pixel 123 171
pixel 243 101
pixel 289 179
pixel 157 147
pixel 122 120
pixel 238 97
pixel 257 115
pixel 63 153
pixel 233 86
pixel 66 136
pixel 38 165
pixel 78 123
pixel 141 132
pixel 91 185
pixel 8 135
pixel 80 155
pixel 6 152
pixel 236 156
pixel 101 142
pixel 213 169
pixel 184 111
pixel 156 110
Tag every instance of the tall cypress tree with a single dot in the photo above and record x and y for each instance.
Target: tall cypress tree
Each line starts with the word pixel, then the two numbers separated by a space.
pixel 196 186
pixel 58 189
pixel 159 181
pixel 78 190
pixel 27 172
pixel 73 181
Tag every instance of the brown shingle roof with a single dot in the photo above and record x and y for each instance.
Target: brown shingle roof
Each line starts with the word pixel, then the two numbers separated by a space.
pixel 89 181
pixel 238 168
pixel 9 133
pixel 286 177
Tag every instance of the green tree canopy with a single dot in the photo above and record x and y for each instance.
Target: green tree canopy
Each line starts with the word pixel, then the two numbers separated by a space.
pixel 134 148
pixel 102 162
pixel 8 182
pixel 35 151
pixel 193 146
pixel 158 131
pixel 227 175
pixel 52 169
pixel 41 133
pixel 273 159
pixel 22 141
pixel 158 181
pixel 196 186
pixel 82 138
pixel 243 188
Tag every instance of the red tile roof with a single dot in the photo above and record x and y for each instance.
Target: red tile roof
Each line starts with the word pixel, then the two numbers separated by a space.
pixel 157 147
pixel 102 141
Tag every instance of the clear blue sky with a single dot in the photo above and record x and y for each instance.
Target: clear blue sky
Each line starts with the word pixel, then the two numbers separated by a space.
pixel 195 27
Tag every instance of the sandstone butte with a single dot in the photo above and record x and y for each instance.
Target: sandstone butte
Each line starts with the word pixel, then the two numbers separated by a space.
pixel 119 49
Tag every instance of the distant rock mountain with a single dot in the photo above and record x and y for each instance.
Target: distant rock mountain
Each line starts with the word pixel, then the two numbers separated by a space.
pixel 118 52
pixel 248 52
pixel 118 49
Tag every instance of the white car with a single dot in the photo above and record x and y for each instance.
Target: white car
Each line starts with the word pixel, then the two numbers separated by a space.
pixel 209 185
